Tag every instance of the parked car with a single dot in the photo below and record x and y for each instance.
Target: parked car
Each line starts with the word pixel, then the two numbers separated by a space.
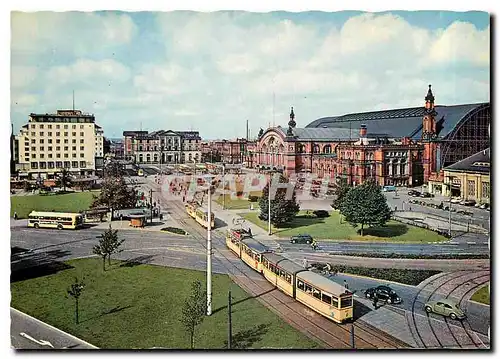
pixel 301 239
pixel 426 195
pixel 485 206
pixel 468 202
pixel 414 193
pixel 456 200
pixel 445 307
pixel 383 292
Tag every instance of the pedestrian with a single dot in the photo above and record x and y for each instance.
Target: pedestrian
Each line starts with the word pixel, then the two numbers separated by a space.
pixel 346 286
pixel 15 216
pixel 375 301
pixel 304 263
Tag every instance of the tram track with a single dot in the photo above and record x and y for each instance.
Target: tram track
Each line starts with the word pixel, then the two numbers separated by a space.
pixel 414 330
pixel 312 328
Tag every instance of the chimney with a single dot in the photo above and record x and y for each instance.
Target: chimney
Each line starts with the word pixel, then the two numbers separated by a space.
pixel 362 131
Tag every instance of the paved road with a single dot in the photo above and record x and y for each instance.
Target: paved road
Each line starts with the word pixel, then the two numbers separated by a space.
pixel 29 333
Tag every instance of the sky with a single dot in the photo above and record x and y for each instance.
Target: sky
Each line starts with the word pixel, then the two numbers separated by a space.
pixel 211 72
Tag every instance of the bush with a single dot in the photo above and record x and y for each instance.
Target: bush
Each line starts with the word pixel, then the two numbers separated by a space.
pixel 416 256
pixel 175 230
pixel 253 198
pixel 321 213
pixel 405 276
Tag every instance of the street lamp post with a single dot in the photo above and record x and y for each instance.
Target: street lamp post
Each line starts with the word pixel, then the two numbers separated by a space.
pixel 209 247
pixel 223 186
pixel 269 204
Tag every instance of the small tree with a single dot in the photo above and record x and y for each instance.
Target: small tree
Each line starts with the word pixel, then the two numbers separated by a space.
pixel 283 210
pixel 365 205
pixel 341 190
pixel 75 291
pixel 194 310
pixel 108 245
pixel 63 179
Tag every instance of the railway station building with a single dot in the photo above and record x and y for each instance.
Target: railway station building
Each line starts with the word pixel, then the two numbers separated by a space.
pixel 401 147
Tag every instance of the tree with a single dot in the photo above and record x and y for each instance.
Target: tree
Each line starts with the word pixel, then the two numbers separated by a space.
pixel 63 179
pixel 115 194
pixel 365 205
pixel 282 210
pixel 114 169
pixel 194 310
pixel 75 291
pixel 341 190
pixel 108 245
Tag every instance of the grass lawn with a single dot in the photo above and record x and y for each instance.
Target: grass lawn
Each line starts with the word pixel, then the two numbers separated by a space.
pixel 482 295
pixel 238 203
pixel 139 306
pixel 330 228
pixel 69 202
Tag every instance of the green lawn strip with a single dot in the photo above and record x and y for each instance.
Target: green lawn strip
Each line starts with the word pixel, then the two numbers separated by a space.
pixel 140 306
pixel 69 202
pixel 405 276
pixel 332 228
pixel 234 203
pixel 482 295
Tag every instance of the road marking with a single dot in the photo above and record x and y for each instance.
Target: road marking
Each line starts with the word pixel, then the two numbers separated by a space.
pixel 54 328
pixel 39 342
pixel 471 242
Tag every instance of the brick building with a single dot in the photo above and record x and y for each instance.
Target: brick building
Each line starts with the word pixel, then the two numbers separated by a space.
pixel 237 151
pixel 402 147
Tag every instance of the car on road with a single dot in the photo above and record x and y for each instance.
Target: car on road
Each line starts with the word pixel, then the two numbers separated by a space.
pixel 414 193
pixel 445 307
pixel 426 195
pixel 302 238
pixel 383 292
pixel 468 202
pixel 456 200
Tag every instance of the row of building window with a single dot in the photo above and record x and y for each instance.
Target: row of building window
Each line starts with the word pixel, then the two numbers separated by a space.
pixel 49 148
pixel 58 164
pixel 58 155
pixel 49 126
pixel 58 134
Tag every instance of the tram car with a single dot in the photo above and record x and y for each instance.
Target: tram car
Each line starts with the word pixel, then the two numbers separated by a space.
pixel 322 295
pixel 200 214
pixel 233 239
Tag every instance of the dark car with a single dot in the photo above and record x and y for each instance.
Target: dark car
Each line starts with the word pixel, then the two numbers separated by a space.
pixel 384 293
pixel 468 202
pixel 426 195
pixel 414 193
pixel 302 238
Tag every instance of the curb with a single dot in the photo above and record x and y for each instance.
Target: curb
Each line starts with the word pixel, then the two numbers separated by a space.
pixel 54 328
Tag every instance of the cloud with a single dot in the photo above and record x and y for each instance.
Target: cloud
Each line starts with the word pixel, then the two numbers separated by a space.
pixel 213 71
pixel 22 76
pixel 68 32
pixel 89 72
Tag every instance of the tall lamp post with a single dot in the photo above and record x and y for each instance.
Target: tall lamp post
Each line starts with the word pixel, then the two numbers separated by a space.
pixel 269 231
pixel 223 186
pixel 209 245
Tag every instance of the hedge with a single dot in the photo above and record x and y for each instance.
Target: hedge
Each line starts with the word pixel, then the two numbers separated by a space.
pixel 415 256
pixel 405 276
pixel 174 230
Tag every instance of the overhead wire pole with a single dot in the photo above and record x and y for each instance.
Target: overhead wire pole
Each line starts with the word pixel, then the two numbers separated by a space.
pixel 269 204
pixel 209 249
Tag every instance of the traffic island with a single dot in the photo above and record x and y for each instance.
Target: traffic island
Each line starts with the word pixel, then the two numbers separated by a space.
pixel 334 228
